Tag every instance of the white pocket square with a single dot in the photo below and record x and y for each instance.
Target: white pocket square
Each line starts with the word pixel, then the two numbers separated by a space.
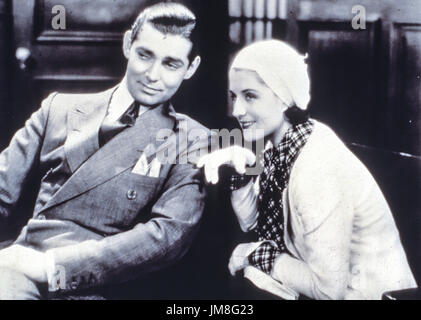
pixel 144 168
pixel 154 168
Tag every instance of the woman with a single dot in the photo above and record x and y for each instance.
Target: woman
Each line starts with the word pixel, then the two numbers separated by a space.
pixel 324 227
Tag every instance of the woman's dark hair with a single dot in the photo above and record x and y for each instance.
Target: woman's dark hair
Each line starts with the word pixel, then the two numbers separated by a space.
pixel 296 115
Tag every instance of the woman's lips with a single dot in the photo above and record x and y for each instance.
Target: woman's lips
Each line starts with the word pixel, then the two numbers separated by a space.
pixel 246 124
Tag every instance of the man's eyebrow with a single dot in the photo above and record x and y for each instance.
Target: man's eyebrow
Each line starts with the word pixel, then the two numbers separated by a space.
pixel 144 50
pixel 174 60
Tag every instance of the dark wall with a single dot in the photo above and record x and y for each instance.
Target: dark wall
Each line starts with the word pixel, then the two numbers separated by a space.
pixel 5 60
pixel 204 96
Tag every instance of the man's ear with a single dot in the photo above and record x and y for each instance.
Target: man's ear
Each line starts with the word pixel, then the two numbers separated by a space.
pixel 192 68
pixel 127 43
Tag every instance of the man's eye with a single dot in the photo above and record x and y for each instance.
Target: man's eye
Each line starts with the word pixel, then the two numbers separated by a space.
pixel 143 56
pixel 172 66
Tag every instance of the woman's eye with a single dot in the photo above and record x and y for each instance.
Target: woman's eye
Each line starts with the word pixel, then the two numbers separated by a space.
pixel 233 97
pixel 250 96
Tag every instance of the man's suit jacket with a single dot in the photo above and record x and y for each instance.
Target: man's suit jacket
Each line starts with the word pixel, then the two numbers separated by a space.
pixel 106 224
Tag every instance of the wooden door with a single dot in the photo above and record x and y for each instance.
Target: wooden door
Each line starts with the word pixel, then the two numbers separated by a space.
pixel 83 57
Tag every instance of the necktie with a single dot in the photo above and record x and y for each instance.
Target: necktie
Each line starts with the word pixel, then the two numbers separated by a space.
pixel 110 128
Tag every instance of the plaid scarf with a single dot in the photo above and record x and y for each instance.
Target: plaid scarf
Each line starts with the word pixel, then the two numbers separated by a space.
pixel 277 165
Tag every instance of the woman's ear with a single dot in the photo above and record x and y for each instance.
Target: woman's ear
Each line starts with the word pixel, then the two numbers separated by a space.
pixel 192 68
pixel 127 43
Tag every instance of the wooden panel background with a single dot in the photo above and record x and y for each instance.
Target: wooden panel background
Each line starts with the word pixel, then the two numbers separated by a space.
pixel 96 21
pixel 365 84
pixel 343 67
pixel 406 92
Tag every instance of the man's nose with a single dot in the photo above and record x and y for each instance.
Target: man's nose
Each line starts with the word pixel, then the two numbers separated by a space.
pixel 152 74
pixel 238 109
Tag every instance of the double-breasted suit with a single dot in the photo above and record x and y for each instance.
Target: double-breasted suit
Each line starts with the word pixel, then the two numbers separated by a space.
pixel 102 222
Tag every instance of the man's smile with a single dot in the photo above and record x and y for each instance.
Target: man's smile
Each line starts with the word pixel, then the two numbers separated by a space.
pixel 149 89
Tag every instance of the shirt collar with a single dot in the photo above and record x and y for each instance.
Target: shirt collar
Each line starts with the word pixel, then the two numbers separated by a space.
pixel 120 101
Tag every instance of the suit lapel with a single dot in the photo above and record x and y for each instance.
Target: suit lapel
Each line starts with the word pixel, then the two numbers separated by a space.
pixel 83 126
pixel 119 154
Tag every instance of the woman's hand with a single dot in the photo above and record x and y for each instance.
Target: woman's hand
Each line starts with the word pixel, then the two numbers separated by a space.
pixel 235 156
pixel 30 262
pixel 239 257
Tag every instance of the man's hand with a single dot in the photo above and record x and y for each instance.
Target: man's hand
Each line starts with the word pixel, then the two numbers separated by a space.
pixel 235 156
pixel 239 257
pixel 30 262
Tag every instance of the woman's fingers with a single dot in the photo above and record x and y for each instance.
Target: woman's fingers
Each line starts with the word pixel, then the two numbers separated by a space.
pixel 239 162
pixel 241 158
pixel 236 156
pixel 250 157
pixel 233 265
pixel 208 171
pixel 238 259
pixel 214 166
pixel 207 162
pixel 231 268
pixel 202 160
pixel 236 264
pixel 210 165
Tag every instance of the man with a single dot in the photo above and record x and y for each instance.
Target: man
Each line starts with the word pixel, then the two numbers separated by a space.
pixel 108 210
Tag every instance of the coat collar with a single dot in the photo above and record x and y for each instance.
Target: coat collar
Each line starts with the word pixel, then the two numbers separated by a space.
pixel 119 154
pixel 83 123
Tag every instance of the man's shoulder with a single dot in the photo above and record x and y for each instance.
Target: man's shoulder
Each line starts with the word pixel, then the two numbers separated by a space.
pixel 188 124
pixel 196 135
pixel 66 101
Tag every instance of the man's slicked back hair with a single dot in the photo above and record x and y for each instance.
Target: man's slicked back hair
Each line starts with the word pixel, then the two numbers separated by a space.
pixel 169 18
